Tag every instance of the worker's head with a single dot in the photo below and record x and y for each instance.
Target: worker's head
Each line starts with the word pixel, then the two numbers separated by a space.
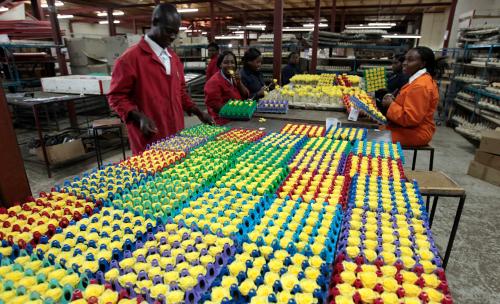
pixel 213 49
pixel 397 63
pixel 252 59
pixel 294 58
pixel 165 23
pixel 418 58
pixel 227 62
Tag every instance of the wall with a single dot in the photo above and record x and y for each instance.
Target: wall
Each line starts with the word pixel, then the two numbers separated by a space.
pixel 433 30
pixel 464 6
pixel 15 13
pixel 81 29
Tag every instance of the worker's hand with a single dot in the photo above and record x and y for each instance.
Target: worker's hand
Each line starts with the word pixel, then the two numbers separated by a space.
pixel 261 93
pixel 147 126
pixel 236 77
pixel 387 100
pixel 205 118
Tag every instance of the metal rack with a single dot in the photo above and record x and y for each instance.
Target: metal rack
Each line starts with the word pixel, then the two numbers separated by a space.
pixel 15 81
pixel 470 108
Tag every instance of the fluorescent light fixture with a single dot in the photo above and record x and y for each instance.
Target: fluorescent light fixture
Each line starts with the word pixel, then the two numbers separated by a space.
pixel 229 37
pixel 183 28
pixel 230 45
pixel 3 9
pixel 193 31
pixel 58 3
pixel 372 24
pixel 403 36
pixel 363 26
pixel 297 29
pixel 257 26
pixel 59 16
pixel 115 13
pixel 203 33
pixel 312 25
pixel 250 27
pixel 239 32
pixel 187 10
pixel 106 22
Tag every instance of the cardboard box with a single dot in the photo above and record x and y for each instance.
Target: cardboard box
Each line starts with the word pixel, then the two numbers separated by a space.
pixel 485 173
pixel 63 152
pixel 488 159
pixel 85 51
pixel 490 142
pixel 77 84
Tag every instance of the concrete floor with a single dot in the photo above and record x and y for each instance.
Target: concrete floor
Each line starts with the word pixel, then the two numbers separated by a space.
pixel 474 268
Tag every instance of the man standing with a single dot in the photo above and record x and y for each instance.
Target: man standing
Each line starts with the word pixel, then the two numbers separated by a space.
pixel 148 90
pixel 213 55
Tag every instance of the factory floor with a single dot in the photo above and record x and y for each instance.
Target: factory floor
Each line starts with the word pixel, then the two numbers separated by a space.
pixel 473 270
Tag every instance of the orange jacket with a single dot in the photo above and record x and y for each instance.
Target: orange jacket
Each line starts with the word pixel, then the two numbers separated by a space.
pixel 411 115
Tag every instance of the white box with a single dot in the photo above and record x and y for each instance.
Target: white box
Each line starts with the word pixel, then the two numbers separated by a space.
pixel 77 84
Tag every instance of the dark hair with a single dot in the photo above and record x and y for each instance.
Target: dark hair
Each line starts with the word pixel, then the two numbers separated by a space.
pixel 224 54
pixel 213 45
pixel 250 55
pixel 427 56
pixel 292 53
pixel 400 57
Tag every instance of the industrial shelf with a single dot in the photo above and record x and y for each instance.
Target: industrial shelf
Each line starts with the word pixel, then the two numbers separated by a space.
pixel 483 92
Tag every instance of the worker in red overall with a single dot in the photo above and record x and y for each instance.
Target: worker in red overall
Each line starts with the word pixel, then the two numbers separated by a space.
pixel 148 90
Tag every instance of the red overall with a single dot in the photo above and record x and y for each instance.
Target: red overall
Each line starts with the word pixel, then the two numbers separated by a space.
pixel 139 82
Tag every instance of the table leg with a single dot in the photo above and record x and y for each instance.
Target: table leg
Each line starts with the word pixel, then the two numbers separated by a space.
pixel 96 147
pixel 72 114
pixel 433 211
pixel 427 203
pixel 454 231
pixel 431 162
pixel 121 141
pixel 414 162
pixel 40 137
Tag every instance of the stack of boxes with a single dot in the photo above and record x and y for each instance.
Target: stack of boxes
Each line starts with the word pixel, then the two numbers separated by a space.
pixel 486 163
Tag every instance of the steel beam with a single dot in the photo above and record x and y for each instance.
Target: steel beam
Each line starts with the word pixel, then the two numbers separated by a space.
pixel 278 29
pixel 111 22
pixel 212 21
pixel 333 15
pixel 314 55
pixel 449 26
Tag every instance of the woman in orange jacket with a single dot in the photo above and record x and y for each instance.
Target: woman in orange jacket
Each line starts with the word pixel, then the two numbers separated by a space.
pixel 411 113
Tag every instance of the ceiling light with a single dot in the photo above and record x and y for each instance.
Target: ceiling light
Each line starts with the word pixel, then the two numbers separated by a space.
pixel 187 10
pixel 256 26
pixel 239 32
pixel 363 26
pixel 230 45
pixel 203 33
pixel 229 37
pixel 60 16
pixel 193 31
pixel 3 9
pixel 372 24
pixel 250 27
pixel 115 13
pixel 183 28
pixel 58 3
pixel 312 25
pixel 404 36
pixel 106 22
pixel 297 29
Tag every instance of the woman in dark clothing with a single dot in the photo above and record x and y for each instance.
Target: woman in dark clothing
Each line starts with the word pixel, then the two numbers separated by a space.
pixel 251 76
pixel 291 69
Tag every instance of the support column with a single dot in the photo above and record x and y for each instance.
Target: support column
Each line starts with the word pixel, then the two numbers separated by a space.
pixel 334 13
pixel 451 16
pixel 56 36
pixel 134 25
pixel 245 32
pixel 111 23
pixel 314 57
pixel 36 10
pixel 70 27
pixel 278 28
pixel 212 21
pixel 14 186
pixel 342 22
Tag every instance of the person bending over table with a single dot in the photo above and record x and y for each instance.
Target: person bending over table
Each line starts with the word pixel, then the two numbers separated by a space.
pixel 148 90
pixel 224 86
pixel 411 113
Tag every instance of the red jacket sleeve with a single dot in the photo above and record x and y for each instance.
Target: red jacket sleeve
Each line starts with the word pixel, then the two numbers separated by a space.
pixel 122 84
pixel 409 109
pixel 213 96
pixel 187 103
